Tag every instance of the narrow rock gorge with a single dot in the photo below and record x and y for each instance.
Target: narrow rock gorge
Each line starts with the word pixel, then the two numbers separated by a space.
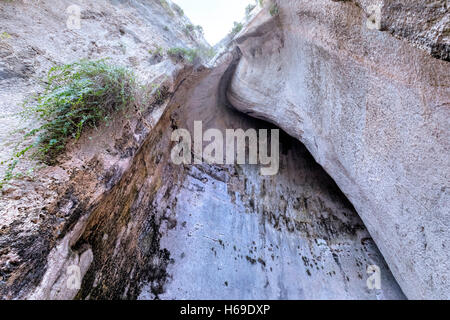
pixel 374 112
pixel 363 171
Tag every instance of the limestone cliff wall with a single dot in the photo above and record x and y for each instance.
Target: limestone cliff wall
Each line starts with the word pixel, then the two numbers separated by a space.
pixel 145 228
pixel 372 106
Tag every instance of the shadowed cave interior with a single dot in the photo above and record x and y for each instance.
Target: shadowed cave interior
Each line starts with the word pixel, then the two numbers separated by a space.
pixel 167 231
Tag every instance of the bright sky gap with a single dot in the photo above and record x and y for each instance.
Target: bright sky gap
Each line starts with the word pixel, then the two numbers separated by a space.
pixel 215 16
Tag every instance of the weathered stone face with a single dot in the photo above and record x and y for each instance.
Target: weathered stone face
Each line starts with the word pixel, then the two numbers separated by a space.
pixel 146 228
pixel 224 231
pixel 374 112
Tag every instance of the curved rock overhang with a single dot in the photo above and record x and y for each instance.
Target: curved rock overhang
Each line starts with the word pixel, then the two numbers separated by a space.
pixel 165 231
pixel 373 111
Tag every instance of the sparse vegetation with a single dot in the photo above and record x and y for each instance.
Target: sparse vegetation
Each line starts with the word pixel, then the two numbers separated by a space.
pixel 207 52
pixel 78 96
pixel 158 51
pixel 178 9
pixel 166 6
pixel 274 10
pixel 199 28
pixel 188 29
pixel 123 47
pixel 183 54
pixel 157 54
pixel 236 28
pixel 191 55
pixel 4 35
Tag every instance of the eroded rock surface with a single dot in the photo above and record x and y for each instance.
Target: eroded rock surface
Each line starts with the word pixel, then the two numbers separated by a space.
pixel 39 216
pixel 374 112
pixel 206 231
pixel 240 235
pixel 34 36
pixel 146 228
pixel 139 227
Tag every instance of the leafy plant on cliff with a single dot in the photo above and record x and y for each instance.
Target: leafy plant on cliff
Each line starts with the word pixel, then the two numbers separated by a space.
pixel 274 10
pixel 4 35
pixel 189 55
pixel 237 27
pixel 166 7
pixel 199 28
pixel 78 96
pixel 249 9
pixel 188 29
pixel 158 52
pixel 178 9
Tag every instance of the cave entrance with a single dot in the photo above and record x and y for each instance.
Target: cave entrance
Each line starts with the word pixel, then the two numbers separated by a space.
pixel 211 231
pixel 243 235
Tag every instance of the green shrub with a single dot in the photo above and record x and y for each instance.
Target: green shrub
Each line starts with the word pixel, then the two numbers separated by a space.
pixel 166 7
pixel 236 28
pixel 199 28
pixel 189 55
pixel 188 29
pixel 207 52
pixel 78 96
pixel 158 51
pixel 4 35
pixel 274 10
pixel 249 9
pixel 178 9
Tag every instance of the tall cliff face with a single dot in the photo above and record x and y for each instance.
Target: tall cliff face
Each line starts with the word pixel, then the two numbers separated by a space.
pixel 372 109
pixel 140 227
pixel 35 37
pixel 137 226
